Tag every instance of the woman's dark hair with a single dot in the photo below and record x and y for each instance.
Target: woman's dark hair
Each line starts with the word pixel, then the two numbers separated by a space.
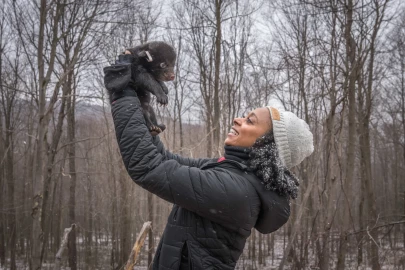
pixel 266 164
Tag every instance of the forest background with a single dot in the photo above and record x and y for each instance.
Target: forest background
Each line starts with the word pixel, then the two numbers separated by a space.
pixel 338 64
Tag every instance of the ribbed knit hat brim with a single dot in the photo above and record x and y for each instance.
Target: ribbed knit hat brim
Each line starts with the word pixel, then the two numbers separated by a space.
pixel 292 135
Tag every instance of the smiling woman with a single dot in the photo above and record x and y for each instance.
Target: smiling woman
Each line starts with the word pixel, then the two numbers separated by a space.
pixel 217 202
pixel 273 148
pixel 246 130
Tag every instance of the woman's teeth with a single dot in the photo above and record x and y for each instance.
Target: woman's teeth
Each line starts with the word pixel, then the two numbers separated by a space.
pixel 232 131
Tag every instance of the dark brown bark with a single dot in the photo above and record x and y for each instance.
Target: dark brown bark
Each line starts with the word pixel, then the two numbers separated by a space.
pixel 9 109
pixel 364 172
pixel 44 115
pixel 260 258
pixel 47 215
pixel 114 209
pixel 217 66
pixel 365 143
pixel 89 217
pixel 28 169
pixel 297 219
pixel 70 109
pixel 179 99
pixel 402 52
pixel 150 234
pixel 253 246
pixel 2 216
pixel 125 221
pixel 209 134
pixel 351 68
pixel 58 212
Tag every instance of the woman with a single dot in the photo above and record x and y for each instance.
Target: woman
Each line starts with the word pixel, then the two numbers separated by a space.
pixel 217 202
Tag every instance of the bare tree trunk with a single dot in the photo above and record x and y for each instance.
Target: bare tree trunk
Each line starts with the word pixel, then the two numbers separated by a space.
pixel 29 164
pixel 296 225
pixel 261 259
pixel 361 206
pixel 9 107
pixel 125 237
pixel 209 134
pixel 400 45
pixel 58 213
pixel 65 240
pixel 43 121
pixel 365 166
pixel 150 234
pixel 365 108
pixel 331 181
pixel 365 145
pixel 218 40
pixel 179 98
pixel 52 151
pixel 114 209
pixel 351 68
pixel 253 248
pixel 332 172
pixel 55 218
pixel 272 248
pixel 89 217
pixel 2 216
pixel 403 121
pixel 70 108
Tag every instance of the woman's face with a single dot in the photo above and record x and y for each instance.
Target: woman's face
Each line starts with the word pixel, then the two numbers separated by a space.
pixel 246 130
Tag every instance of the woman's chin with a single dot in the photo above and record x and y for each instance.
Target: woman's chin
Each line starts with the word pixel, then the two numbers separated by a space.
pixel 228 141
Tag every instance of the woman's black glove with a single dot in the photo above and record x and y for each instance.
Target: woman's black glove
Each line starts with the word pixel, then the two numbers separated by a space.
pixel 118 78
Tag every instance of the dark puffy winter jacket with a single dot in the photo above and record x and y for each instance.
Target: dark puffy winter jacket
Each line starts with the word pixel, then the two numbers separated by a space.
pixel 216 204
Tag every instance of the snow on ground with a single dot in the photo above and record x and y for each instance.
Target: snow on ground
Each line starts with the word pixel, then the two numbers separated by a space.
pixel 390 259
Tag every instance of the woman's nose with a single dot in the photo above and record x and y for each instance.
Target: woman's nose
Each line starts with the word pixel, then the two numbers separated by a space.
pixel 237 121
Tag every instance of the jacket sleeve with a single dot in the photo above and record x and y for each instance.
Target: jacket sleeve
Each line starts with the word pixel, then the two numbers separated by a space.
pixel 213 194
pixel 117 80
pixel 118 76
pixel 192 162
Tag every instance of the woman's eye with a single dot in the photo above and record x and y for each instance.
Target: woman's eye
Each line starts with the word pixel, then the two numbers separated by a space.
pixel 247 119
pixel 163 65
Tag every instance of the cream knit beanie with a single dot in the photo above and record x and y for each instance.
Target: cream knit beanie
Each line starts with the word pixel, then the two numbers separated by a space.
pixel 293 138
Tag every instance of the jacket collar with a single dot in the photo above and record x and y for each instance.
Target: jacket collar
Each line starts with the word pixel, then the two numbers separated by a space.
pixel 234 157
pixel 236 153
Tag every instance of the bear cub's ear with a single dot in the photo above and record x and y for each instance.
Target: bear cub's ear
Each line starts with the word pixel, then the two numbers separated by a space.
pixel 146 55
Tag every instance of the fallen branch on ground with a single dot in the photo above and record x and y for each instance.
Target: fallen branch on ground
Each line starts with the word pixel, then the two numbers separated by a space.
pixel 140 240
pixel 63 245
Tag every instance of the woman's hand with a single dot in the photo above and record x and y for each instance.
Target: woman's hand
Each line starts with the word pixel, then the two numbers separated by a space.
pixel 117 77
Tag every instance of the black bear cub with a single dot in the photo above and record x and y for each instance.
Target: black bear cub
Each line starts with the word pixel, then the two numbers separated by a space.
pixel 153 63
